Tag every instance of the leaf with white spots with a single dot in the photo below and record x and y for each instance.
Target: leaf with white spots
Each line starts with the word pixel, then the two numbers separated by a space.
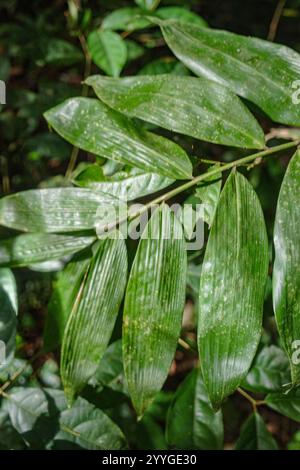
pixel 93 315
pixel 257 70
pixel 153 307
pixel 191 106
pixel 92 126
pixel 55 209
pixel 232 287
pixel 286 272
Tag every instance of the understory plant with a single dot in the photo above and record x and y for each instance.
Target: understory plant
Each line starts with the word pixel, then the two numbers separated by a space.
pixel 159 244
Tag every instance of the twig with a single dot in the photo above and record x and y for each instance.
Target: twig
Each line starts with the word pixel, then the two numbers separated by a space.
pixel 275 20
pixel 87 72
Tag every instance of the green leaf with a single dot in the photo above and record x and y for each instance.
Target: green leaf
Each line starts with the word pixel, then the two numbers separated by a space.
pixel 92 126
pixel 89 428
pixel 209 192
pixel 9 437
pixel 63 298
pixel 232 287
pixel 287 404
pixel 27 249
pixel 164 65
pixel 8 313
pixel 255 69
pixel 134 50
pixel 255 435
pixel 124 185
pixel 56 52
pixel 153 307
pixel 108 51
pixel 191 106
pixel 180 13
pixel 270 371
pixel 110 372
pixel 126 19
pixel 286 272
pixel 38 414
pixel 93 315
pixel 148 4
pixel 192 424
pixel 54 210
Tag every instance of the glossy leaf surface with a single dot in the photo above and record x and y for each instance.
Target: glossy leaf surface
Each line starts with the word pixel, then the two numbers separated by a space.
pixel 232 287
pixel 192 424
pixel 92 126
pixel 191 106
pixel 255 435
pixel 255 69
pixel 153 308
pixel 54 210
pixel 26 249
pixel 93 315
pixel 286 273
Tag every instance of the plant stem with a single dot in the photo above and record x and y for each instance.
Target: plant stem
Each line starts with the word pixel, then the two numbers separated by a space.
pixel 275 20
pixel 87 72
pixel 248 397
pixel 214 171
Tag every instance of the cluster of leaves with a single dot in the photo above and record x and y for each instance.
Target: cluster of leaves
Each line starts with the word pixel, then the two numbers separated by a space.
pixel 117 334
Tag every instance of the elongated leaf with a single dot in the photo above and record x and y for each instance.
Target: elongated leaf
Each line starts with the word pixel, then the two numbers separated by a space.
pixel 92 126
pixel 255 69
pixel 153 307
pixel 63 298
pixel 255 435
pixel 232 287
pixel 287 404
pixel 286 273
pixel 27 249
pixel 196 107
pixel 54 210
pixel 125 186
pixel 209 192
pixel 192 424
pixel 270 371
pixel 8 315
pixel 108 51
pixel 93 316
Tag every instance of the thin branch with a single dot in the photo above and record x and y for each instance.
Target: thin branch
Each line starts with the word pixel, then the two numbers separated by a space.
pixel 275 20
pixel 228 166
pixel 87 72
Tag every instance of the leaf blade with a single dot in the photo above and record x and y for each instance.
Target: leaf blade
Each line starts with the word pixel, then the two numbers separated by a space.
pixel 232 287
pixel 82 121
pixel 101 292
pixel 286 272
pixel 153 307
pixel 191 106
pixel 237 62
